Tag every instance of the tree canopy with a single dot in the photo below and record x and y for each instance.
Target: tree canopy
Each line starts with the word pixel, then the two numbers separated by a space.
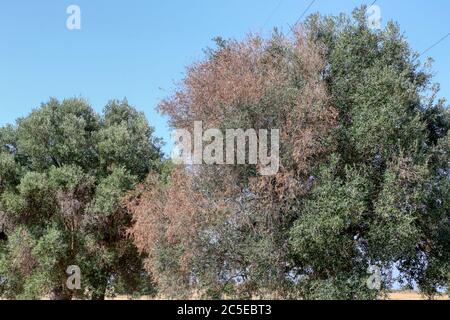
pixel 363 181
pixel 64 172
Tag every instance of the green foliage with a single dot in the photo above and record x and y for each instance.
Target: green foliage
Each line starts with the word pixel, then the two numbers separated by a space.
pixel 395 231
pixel 364 179
pixel 393 209
pixel 59 133
pixel 110 191
pixel 368 189
pixel 9 170
pixel 325 236
pixel 62 178
pixel 383 120
pixel 126 140
pixel 69 178
pixel 16 262
pixel 12 203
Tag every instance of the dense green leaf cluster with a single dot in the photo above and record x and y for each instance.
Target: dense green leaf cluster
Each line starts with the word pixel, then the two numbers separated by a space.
pixel 64 171
pixel 383 199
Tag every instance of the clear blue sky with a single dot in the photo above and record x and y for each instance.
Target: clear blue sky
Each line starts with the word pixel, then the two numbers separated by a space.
pixel 139 48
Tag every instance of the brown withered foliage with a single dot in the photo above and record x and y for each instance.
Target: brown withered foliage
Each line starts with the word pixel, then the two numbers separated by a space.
pixel 261 84
pixel 254 83
pixel 164 212
pixel 22 257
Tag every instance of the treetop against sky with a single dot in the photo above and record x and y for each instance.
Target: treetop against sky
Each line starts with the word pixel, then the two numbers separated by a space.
pixel 140 49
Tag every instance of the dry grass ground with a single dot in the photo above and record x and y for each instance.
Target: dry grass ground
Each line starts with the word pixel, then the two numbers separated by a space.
pixel 399 295
pixel 403 295
pixel 411 295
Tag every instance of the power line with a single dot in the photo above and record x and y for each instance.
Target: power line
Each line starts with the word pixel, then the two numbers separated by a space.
pixel 429 48
pixel 272 13
pixel 311 4
pixel 373 3
pixel 304 12
pixel 434 45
